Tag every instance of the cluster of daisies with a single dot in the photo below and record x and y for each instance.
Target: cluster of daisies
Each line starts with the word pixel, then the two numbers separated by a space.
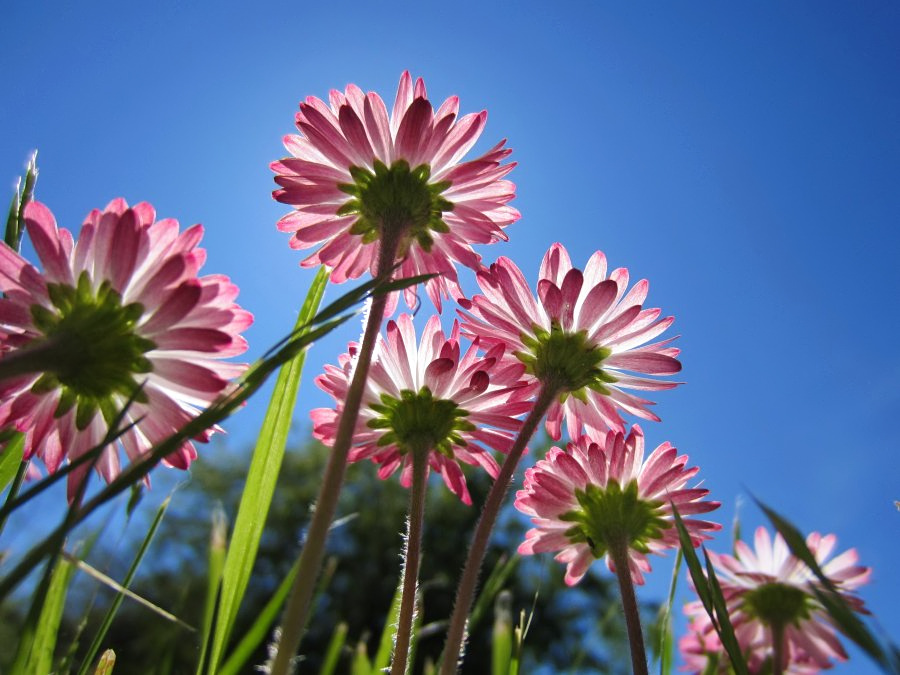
pixel 120 319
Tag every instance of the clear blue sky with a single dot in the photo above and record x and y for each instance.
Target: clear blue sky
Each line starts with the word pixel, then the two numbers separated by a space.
pixel 744 159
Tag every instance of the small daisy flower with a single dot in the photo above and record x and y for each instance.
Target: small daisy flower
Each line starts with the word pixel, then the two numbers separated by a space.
pixel 583 335
pixel 598 494
pixel 770 591
pixel 429 397
pixel 358 177
pixel 119 308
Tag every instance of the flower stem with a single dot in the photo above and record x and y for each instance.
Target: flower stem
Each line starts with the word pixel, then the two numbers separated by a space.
pixel 618 551
pixel 411 564
pixel 777 628
pixel 466 590
pixel 296 612
pixel 39 356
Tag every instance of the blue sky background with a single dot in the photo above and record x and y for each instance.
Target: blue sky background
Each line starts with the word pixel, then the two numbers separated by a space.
pixel 746 160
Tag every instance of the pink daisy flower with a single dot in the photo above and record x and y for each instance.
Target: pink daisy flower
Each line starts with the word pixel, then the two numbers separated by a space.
pixel 431 398
pixel 120 307
pixel 583 335
pixel 768 587
pixel 358 177
pixel 597 493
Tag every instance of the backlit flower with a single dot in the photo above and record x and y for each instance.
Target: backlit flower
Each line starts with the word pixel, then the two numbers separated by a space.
pixel 583 335
pixel 431 398
pixel 121 307
pixel 358 176
pixel 768 590
pixel 597 493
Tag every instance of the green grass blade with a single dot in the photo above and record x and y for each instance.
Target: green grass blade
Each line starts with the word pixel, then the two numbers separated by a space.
pixel 11 459
pixel 726 631
pixel 36 646
pixel 260 628
pixel 666 642
pixel 333 653
pixel 361 664
pixel 844 616
pixel 106 663
pixel 217 538
pixel 126 581
pixel 386 644
pixel 502 637
pixel 710 595
pixel 260 487
pixel 492 586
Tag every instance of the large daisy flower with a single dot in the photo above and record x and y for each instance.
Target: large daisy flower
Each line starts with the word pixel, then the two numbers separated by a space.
pixel 599 494
pixel 120 311
pixel 583 335
pixel 769 591
pixel 358 178
pixel 429 397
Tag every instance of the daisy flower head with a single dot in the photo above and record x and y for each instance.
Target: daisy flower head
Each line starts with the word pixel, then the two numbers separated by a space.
pixel 601 494
pixel 429 397
pixel 118 313
pixel 770 599
pixel 582 335
pixel 361 179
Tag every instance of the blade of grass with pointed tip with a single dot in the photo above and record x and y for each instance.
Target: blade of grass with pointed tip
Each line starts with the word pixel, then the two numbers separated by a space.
pixel 386 644
pixel 726 630
pixel 845 618
pixel 106 663
pixel 11 459
pixel 666 644
pixel 216 562
pixel 260 487
pixel 710 594
pixel 126 581
pixel 502 635
pixel 361 664
pixel 35 653
pixel 333 652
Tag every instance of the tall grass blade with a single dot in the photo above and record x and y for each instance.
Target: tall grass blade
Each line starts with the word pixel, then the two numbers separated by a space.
pixel 217 541
pixel 37 643
pixel 261 478
pixel 333 652
pixel 106 663
pixel 666 641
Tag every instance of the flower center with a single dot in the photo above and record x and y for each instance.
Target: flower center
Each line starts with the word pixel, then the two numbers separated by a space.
pixel 94 351
pixel 396 199
pixel 418 421
pixel 611 516
pixel 567 361
pixel 777 604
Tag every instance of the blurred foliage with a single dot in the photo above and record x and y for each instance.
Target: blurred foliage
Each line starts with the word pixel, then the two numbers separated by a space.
pixel 572 630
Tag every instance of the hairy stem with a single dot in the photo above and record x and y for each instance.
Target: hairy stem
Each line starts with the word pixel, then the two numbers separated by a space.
pixel 411 563
pixel 465 592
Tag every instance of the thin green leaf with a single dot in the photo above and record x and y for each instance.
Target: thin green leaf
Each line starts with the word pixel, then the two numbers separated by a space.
pixel 38 643
pixel 706 590
pixel 261 478
pixel 106 663
pixel 333 652
pixel 492 586
pixel 11 459
pixel 361 664
pixel 126 581
pixel 388 633
pixel 844 616
pixel 260 628
pixel 502 637
pixel 217 538
pixel 666 643
pixel 725 629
